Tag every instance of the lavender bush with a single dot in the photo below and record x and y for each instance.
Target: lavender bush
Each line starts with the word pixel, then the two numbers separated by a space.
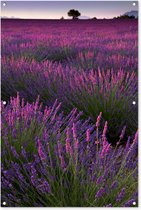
pixel 91 92
pixel 49 159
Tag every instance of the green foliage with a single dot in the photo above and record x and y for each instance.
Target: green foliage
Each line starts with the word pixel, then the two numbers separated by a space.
pixel 43 53
pixel 117 109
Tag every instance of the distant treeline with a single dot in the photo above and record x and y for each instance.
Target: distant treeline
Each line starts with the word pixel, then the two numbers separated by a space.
pixel 125 17
pixel 119 17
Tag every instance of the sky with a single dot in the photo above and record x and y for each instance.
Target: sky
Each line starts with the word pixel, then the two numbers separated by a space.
pixel 57 9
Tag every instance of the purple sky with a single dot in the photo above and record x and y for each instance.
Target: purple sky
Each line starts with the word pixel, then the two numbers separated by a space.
pixel 57 9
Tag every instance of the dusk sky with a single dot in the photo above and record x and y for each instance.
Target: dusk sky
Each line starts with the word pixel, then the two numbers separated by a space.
pixel 57 9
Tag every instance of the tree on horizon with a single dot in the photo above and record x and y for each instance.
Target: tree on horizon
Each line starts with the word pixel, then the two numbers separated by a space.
pixel 74 13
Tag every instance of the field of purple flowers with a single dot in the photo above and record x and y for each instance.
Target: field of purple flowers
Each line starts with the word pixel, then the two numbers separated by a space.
pixel 69 126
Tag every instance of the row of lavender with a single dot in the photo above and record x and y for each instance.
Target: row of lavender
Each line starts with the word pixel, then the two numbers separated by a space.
pixel 109 92
pixel 82 45
pixel 49 159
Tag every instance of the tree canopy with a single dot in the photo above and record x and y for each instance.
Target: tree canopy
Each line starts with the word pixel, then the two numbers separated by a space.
pixel 74 13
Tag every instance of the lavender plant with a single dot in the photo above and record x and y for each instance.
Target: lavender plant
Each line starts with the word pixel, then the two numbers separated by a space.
pixel 49 159
pixel 91 92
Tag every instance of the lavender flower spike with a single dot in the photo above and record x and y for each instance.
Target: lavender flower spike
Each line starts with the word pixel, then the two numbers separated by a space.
pixel 100 193
pixel 130 203
pixel 88 135
pixel 98 120
pixel 120 195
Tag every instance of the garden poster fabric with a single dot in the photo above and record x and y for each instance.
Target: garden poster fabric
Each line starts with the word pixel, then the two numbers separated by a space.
pixel 69 103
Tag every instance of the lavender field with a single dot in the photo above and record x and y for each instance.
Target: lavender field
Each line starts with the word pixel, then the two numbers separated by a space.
pixel 69 113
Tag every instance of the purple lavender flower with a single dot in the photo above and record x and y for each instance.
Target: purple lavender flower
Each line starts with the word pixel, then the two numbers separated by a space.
pixel 23 152
pixel 14 152
pixel 88 135
pixel 44 187
pixel 98 119
pixel 135 194
pixel 122 134
pixel 74 131
pixel 105 130
pixel 33 176
pixel 120 195
pixel 68 142
pixel 114 185
pixel 100 180
pixel 109 205
pixel 100 193
pixel 93 177
pixel 41 153
pixel 128 143
pixel 136 137
pixel 63 164
pixel 129 203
